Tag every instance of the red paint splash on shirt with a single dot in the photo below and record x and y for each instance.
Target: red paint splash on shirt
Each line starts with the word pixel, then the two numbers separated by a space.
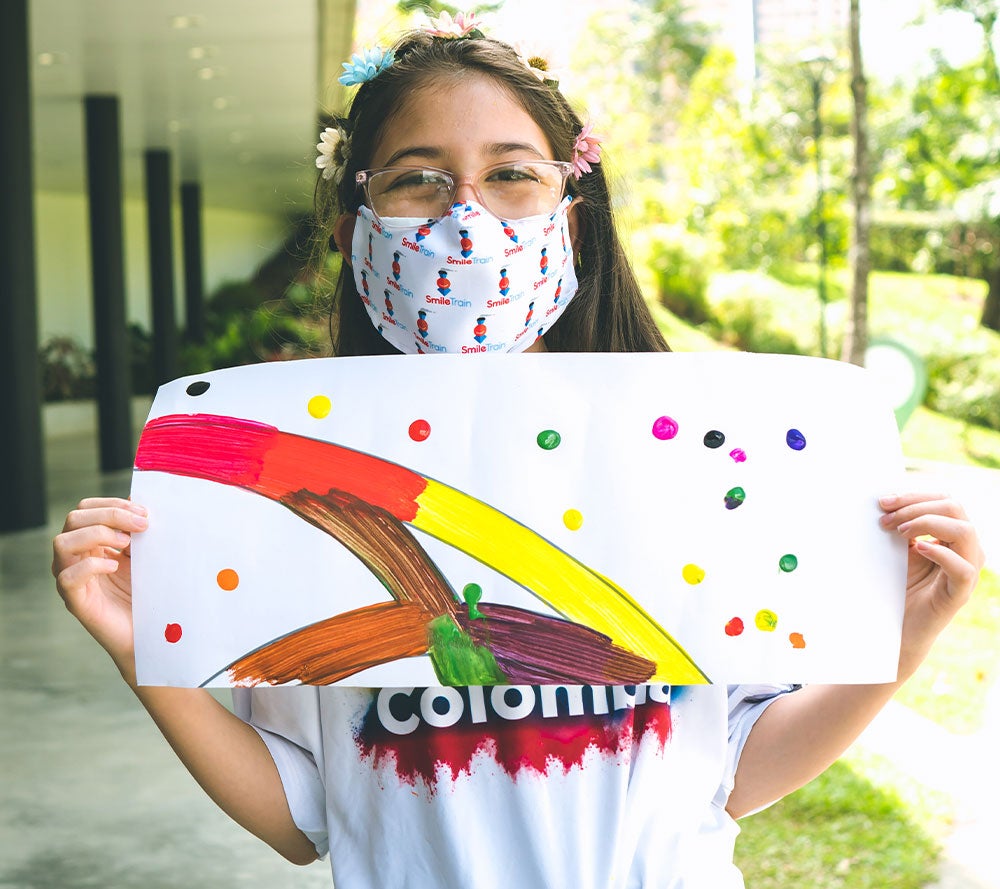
pixel 535 745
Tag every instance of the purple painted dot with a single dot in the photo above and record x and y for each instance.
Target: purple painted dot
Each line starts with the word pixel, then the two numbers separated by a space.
pixel 795 439
pixel 739 455
pixel 665 428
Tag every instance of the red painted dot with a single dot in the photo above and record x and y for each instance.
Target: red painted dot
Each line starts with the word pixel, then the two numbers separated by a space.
pixel 734 627
pixel 420 430
pixel 172 633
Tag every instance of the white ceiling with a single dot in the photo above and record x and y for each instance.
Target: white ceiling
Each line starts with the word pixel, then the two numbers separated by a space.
pixel 228 86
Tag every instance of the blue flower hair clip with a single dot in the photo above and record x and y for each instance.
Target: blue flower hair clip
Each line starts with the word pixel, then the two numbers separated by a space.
pixel 366 65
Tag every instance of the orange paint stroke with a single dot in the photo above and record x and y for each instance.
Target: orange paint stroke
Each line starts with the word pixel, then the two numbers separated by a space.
pixel 338 647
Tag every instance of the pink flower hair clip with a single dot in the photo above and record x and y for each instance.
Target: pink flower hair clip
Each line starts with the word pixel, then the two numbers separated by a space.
pixel 586 151
pixel 465 24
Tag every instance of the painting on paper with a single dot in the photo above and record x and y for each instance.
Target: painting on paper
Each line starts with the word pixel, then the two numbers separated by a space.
pixel 529 519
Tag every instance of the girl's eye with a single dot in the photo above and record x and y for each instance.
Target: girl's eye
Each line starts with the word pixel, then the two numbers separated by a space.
pixel 513 174
pixel 414 179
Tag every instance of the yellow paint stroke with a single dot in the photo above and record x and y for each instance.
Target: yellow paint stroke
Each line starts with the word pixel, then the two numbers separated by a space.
pixel 567 585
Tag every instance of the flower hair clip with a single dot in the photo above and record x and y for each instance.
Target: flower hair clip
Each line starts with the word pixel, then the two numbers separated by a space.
pixel 463 25
pixel 366 65
pixel 334 151
pixel 586 151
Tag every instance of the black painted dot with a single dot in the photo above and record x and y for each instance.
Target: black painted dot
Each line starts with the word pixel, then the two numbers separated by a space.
pixel 714 439
pixel 198 388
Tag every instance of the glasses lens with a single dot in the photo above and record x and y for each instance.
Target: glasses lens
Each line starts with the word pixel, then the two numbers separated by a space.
pixel 520 190
pixel 410 193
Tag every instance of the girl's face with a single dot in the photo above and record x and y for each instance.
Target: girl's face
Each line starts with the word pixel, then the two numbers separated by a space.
pixel 461 126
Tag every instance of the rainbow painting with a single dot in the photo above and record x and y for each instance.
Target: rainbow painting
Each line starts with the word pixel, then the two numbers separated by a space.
pixel 551 519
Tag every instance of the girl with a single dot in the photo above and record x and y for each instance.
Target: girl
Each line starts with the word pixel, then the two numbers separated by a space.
pixel 452 141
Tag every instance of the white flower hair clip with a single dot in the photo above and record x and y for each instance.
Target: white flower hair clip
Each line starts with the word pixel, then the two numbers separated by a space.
pixel 334 151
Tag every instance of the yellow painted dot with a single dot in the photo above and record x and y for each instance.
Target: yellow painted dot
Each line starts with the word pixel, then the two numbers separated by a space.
pixel 766 621
pixel 693 574
pixel 319 406
pixel 573 519
pixel 228 579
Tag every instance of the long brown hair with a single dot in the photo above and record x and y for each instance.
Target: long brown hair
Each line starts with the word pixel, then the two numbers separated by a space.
pixel 608 312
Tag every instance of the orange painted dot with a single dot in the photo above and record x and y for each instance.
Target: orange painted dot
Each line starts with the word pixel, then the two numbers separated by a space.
pixel 797 640
pixel 228 579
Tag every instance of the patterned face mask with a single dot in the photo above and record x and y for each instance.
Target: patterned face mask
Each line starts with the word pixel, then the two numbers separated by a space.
pixel 467 283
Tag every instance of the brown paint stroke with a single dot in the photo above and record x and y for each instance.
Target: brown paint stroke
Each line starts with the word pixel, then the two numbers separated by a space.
pixel 532 648
pixel 383 544
pixel 338 647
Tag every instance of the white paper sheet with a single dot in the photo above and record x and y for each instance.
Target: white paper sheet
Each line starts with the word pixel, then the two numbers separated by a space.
pixel 625 552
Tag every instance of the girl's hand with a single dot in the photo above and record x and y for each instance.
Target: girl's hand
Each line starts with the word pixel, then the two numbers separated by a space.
pixel 945 559
pixel 92 567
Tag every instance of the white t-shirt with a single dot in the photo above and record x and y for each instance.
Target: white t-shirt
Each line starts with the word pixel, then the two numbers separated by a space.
pixel 534 787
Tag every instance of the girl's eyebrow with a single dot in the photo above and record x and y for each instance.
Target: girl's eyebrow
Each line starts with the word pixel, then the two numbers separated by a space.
pixel 432 153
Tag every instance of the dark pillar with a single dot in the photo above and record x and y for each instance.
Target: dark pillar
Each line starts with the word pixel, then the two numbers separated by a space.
pixel 22 467
pixel 194 277
pixel 107 261
pixel 161 264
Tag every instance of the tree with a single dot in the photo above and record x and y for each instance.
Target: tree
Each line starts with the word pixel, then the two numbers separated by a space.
pixel 950 144
pixel 856 334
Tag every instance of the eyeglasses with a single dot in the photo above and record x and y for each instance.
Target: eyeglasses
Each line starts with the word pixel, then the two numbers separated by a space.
pixel 510 191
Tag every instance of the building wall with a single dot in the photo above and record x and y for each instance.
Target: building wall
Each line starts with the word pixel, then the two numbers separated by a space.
pixel 235 243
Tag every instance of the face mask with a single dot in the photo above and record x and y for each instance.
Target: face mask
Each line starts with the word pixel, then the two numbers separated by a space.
pixel 467 283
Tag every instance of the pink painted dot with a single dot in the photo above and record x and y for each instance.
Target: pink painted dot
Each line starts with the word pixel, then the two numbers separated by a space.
pixel 739 455
pixel 420 430
pixel 664 428
pixel 172 633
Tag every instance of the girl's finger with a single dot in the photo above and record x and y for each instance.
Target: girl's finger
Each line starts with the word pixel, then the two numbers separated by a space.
pixel 958 535
pixel 962 574
pixel 927 505
pixel 72 580
pixel 83 540
pixel 114 516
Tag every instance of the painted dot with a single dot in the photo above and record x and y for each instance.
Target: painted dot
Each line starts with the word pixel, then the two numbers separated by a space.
pixel 739 455
pixel 693 574
pixel 172 633
pixel 714 439
pixel 198 388
pixel 472 593
pixel 319 406
pixel 548 439
pixel 227 579
pixel 735 497
pixel 788 563
pixel 664 428
pixel 420 430
pixel 795 439
pixel 734 627
pixel 797 640
pixel 766 621
pixel 573 519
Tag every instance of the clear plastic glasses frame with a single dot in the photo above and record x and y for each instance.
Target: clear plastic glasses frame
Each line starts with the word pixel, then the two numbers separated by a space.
pixel 511 190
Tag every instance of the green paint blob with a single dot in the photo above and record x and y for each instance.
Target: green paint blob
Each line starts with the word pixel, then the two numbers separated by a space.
pixel 472 593
pixel 735 497
pixel 457 660
pixel 548 439
pixel 788 563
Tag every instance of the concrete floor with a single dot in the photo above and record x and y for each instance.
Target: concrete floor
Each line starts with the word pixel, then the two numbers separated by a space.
pixel 91 796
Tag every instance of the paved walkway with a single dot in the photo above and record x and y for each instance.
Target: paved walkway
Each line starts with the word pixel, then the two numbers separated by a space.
pixel 91 796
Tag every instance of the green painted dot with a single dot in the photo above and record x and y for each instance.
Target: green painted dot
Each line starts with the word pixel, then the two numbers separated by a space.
pixel 548 439
pixel 472 593
pixel 788 563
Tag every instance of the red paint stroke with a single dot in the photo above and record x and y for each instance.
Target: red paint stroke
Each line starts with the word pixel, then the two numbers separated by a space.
pixel 532 648
pixel 734 627
pixel 534 745
pixel 273 463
